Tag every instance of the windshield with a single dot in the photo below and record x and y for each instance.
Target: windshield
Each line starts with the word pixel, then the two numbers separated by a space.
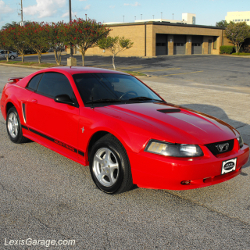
pixel 111 88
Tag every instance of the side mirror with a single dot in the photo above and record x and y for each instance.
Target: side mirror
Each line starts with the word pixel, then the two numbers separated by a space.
pixel 64 99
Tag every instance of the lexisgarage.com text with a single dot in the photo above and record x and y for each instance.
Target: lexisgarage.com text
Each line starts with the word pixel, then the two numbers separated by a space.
pixel 44 243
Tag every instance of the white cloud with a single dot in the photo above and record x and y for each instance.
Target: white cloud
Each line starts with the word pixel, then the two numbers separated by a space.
pixel 44 8
pixel 87 7
pixel 4 8
pixel 73 14
pixel 136 4
pixel 112 6
pixel 130 4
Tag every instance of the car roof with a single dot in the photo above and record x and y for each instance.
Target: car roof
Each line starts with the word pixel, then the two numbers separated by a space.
pixel 81 70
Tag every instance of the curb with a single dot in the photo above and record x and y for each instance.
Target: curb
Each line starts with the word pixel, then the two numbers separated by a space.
pixel 22 66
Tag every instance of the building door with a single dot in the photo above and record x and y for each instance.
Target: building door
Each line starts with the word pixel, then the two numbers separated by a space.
pixel 210 42
pixel 197 45
pixel 179 45
pixel 161 44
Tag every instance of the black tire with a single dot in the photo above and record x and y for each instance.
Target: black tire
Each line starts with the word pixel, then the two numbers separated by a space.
pixel 13 126
pixel 109 166
pixel 12 57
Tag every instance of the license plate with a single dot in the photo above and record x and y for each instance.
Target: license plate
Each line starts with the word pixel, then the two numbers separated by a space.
pixel 228 166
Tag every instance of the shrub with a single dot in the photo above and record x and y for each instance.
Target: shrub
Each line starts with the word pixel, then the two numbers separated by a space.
pixel 227 49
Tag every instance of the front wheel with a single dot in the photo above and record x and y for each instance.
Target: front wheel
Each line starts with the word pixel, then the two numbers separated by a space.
pixel 109 166
pixel 13 126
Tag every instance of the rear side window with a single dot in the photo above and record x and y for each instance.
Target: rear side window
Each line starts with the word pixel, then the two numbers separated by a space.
pixel 53 84
pixel 34 82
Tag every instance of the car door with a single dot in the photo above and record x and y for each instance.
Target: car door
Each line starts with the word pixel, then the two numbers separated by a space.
pixel 54 123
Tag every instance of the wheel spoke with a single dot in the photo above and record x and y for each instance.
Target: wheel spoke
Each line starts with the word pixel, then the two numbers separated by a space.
pixel 15 130
pixel 14 120
pixel 111 178
pixel 98 160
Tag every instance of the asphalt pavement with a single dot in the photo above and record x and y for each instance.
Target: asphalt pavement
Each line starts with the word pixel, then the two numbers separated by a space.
pixel 44 195
pixel 207 69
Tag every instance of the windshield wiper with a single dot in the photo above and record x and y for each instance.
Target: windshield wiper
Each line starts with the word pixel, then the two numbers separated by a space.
pixel 144 98
pixel 103 100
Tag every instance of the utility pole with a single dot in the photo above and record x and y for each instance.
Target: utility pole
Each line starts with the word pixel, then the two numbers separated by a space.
pixel 70 19
pixel 21 23
pixel 22 11
pixel 71 61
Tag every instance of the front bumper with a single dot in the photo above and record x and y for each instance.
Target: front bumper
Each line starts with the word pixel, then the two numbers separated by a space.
pixel 160 172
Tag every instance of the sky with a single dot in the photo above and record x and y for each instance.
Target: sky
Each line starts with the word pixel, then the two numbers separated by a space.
pixel 208 12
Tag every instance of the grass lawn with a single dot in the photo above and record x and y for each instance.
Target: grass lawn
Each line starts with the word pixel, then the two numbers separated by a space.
pixel 241 54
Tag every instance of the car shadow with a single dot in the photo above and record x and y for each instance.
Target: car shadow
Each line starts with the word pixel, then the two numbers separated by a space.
pixel 219 113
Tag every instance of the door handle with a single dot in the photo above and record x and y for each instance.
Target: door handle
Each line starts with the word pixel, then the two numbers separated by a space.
pixel 34 101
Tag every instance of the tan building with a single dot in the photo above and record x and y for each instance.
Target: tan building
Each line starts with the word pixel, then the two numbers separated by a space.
pixel 162 38
pixel 238 16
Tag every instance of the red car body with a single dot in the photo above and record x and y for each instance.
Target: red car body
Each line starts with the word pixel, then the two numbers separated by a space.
pixel 71 130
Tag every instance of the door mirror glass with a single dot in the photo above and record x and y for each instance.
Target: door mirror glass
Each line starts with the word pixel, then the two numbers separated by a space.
pixel 64 99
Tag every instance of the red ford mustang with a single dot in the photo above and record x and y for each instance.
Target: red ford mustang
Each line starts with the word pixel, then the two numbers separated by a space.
pixel 122 129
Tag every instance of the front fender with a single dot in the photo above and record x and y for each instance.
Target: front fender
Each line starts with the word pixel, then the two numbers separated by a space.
pixel 132 137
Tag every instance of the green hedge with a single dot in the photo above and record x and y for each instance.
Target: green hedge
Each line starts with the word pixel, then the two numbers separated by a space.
pixel 227 49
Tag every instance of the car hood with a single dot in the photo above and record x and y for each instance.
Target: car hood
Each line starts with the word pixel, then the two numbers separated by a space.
pixel 172 123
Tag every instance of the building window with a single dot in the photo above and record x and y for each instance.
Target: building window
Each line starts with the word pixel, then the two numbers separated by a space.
pixel 193 19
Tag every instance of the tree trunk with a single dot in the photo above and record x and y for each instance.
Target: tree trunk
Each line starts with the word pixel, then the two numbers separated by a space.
pixel 58 57
pixel 83 55
pixel 23 57
pixel 113 61
pixel 39 57
pixel 7 58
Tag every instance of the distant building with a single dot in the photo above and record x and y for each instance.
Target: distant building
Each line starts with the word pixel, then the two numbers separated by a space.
pixel 238 16
pixel 187 18
pixel 156 38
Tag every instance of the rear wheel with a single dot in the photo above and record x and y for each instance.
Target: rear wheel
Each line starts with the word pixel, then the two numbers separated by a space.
pixel 12 57
pixel 13 126
pixel 109 166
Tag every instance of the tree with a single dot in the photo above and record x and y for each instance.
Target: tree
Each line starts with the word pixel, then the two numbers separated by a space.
pixel 237 33
pixel 115 45
pixel 37 37
pixel 18 35
pixel 6 42
pixel 7 25
pixel 56 38
pixel 222 24
pixel 85 34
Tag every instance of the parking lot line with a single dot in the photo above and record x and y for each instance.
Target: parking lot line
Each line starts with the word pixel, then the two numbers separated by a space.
pixel 154 70
pixel 185 73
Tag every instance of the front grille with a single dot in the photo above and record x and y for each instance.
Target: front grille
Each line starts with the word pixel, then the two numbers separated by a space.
pixel 220 147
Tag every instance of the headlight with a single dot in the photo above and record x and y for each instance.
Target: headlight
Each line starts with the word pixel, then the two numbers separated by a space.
pixel 176 150
pixel 241 142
